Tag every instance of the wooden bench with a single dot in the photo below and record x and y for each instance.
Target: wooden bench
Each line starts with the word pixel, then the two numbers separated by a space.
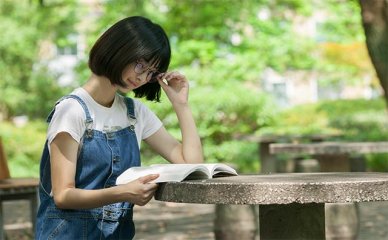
pixel 16 189
pixel 291 205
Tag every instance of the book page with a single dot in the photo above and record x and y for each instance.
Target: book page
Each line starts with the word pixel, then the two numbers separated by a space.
pixel 177 172
pixel 167 172
pixel 185 171
pixel 220 169
pixel 213 170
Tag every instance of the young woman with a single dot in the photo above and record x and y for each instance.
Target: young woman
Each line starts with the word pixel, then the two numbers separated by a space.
pixel 95 132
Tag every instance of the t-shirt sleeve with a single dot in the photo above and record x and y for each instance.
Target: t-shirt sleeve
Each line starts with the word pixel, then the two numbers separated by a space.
pixel 68 117
pixel 150 123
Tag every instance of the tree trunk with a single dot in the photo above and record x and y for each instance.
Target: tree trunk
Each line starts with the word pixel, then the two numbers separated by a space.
pixel 375 22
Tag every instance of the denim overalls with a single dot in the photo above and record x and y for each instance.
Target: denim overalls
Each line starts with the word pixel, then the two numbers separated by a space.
pixel 101 159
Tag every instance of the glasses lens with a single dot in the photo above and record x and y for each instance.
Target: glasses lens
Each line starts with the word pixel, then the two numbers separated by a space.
pixel 139 68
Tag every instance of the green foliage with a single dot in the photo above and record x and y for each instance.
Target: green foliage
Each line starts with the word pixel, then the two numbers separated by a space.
pixel 354 120
pixel 228 111
pixel 221 48
pixel 204 52
pixel 185 23
pixel 377 162
pixel 266 42
pixel 24 25
pixel 223 113
pixel 233 118
pixel 242 155
pixel 41 104
pixel 23 147
pixel 343 26
pixel 300 120
pixel 359 119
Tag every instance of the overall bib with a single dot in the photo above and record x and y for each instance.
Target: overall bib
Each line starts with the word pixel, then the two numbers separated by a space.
pixel 101 159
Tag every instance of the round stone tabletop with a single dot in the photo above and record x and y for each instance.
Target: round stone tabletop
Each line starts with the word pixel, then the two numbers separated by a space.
pixel 280 188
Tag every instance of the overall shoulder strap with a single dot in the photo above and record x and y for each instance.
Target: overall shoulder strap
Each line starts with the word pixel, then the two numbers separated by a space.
pixel 130 110
pixel 130 107
pixel 81 102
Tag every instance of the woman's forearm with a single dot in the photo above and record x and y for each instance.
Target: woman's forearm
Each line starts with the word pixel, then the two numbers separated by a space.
pixel 191 143
pixel 74 198
pixel 139 192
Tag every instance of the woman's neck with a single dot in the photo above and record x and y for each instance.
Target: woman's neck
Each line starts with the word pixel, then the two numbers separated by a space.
pixel 101 90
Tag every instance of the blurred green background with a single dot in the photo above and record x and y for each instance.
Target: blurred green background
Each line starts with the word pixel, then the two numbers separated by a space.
pixel 226 48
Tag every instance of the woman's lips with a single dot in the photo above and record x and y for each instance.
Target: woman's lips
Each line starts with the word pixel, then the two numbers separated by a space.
pixel 132 83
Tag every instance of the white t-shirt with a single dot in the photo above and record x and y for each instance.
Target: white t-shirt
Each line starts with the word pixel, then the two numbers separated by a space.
pixel 70 117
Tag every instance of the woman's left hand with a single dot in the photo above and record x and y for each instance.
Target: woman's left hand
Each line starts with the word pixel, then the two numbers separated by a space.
pixel 176 87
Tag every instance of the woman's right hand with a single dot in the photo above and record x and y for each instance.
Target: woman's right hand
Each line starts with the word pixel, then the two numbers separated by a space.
pixel 141 190
pixel 176 87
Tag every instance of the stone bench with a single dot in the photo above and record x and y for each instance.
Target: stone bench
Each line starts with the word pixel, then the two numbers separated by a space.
pixel 291 205
pixel 332 156
pixel 267 159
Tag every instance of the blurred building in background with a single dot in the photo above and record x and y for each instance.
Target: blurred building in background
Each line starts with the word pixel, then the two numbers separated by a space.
pixel 294 87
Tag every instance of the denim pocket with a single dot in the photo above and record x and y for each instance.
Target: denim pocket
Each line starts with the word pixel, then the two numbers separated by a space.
pixel 58 228
pixel 109 222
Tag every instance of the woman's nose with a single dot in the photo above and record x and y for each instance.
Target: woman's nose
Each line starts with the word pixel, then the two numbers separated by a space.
pixel 142 76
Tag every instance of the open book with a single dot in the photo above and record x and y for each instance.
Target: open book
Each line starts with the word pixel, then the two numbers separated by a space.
pixel 177 172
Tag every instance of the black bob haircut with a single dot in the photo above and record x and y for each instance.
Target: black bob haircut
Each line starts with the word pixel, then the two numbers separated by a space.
pixel 127 41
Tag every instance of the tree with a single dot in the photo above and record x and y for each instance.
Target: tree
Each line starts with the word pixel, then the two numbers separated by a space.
pixel 24 26
pixel 375 22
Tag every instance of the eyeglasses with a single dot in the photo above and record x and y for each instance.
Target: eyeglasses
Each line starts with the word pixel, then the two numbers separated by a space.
pixel 141 68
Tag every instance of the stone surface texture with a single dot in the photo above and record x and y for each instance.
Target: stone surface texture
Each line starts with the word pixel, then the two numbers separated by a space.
pixel 280 188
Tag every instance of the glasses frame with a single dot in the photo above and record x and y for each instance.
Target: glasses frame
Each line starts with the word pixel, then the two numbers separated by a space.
pixel 140 68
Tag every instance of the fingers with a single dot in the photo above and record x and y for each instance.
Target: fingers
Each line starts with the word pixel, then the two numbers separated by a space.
pixel 163 83
pixel 176 87
pixel 142 189
pixel 148 178
pixel 148 192
pixel 168 76
pixel 171 75
pixel 146 195
pixel 144 200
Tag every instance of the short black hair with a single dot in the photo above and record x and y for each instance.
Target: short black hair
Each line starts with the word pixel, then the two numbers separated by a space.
pixel 127 41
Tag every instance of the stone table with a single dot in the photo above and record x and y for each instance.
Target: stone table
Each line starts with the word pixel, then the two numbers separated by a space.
pixel 291 204
pixel 335 157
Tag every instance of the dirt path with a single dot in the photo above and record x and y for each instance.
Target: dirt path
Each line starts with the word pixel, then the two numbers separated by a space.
pixel 172 221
